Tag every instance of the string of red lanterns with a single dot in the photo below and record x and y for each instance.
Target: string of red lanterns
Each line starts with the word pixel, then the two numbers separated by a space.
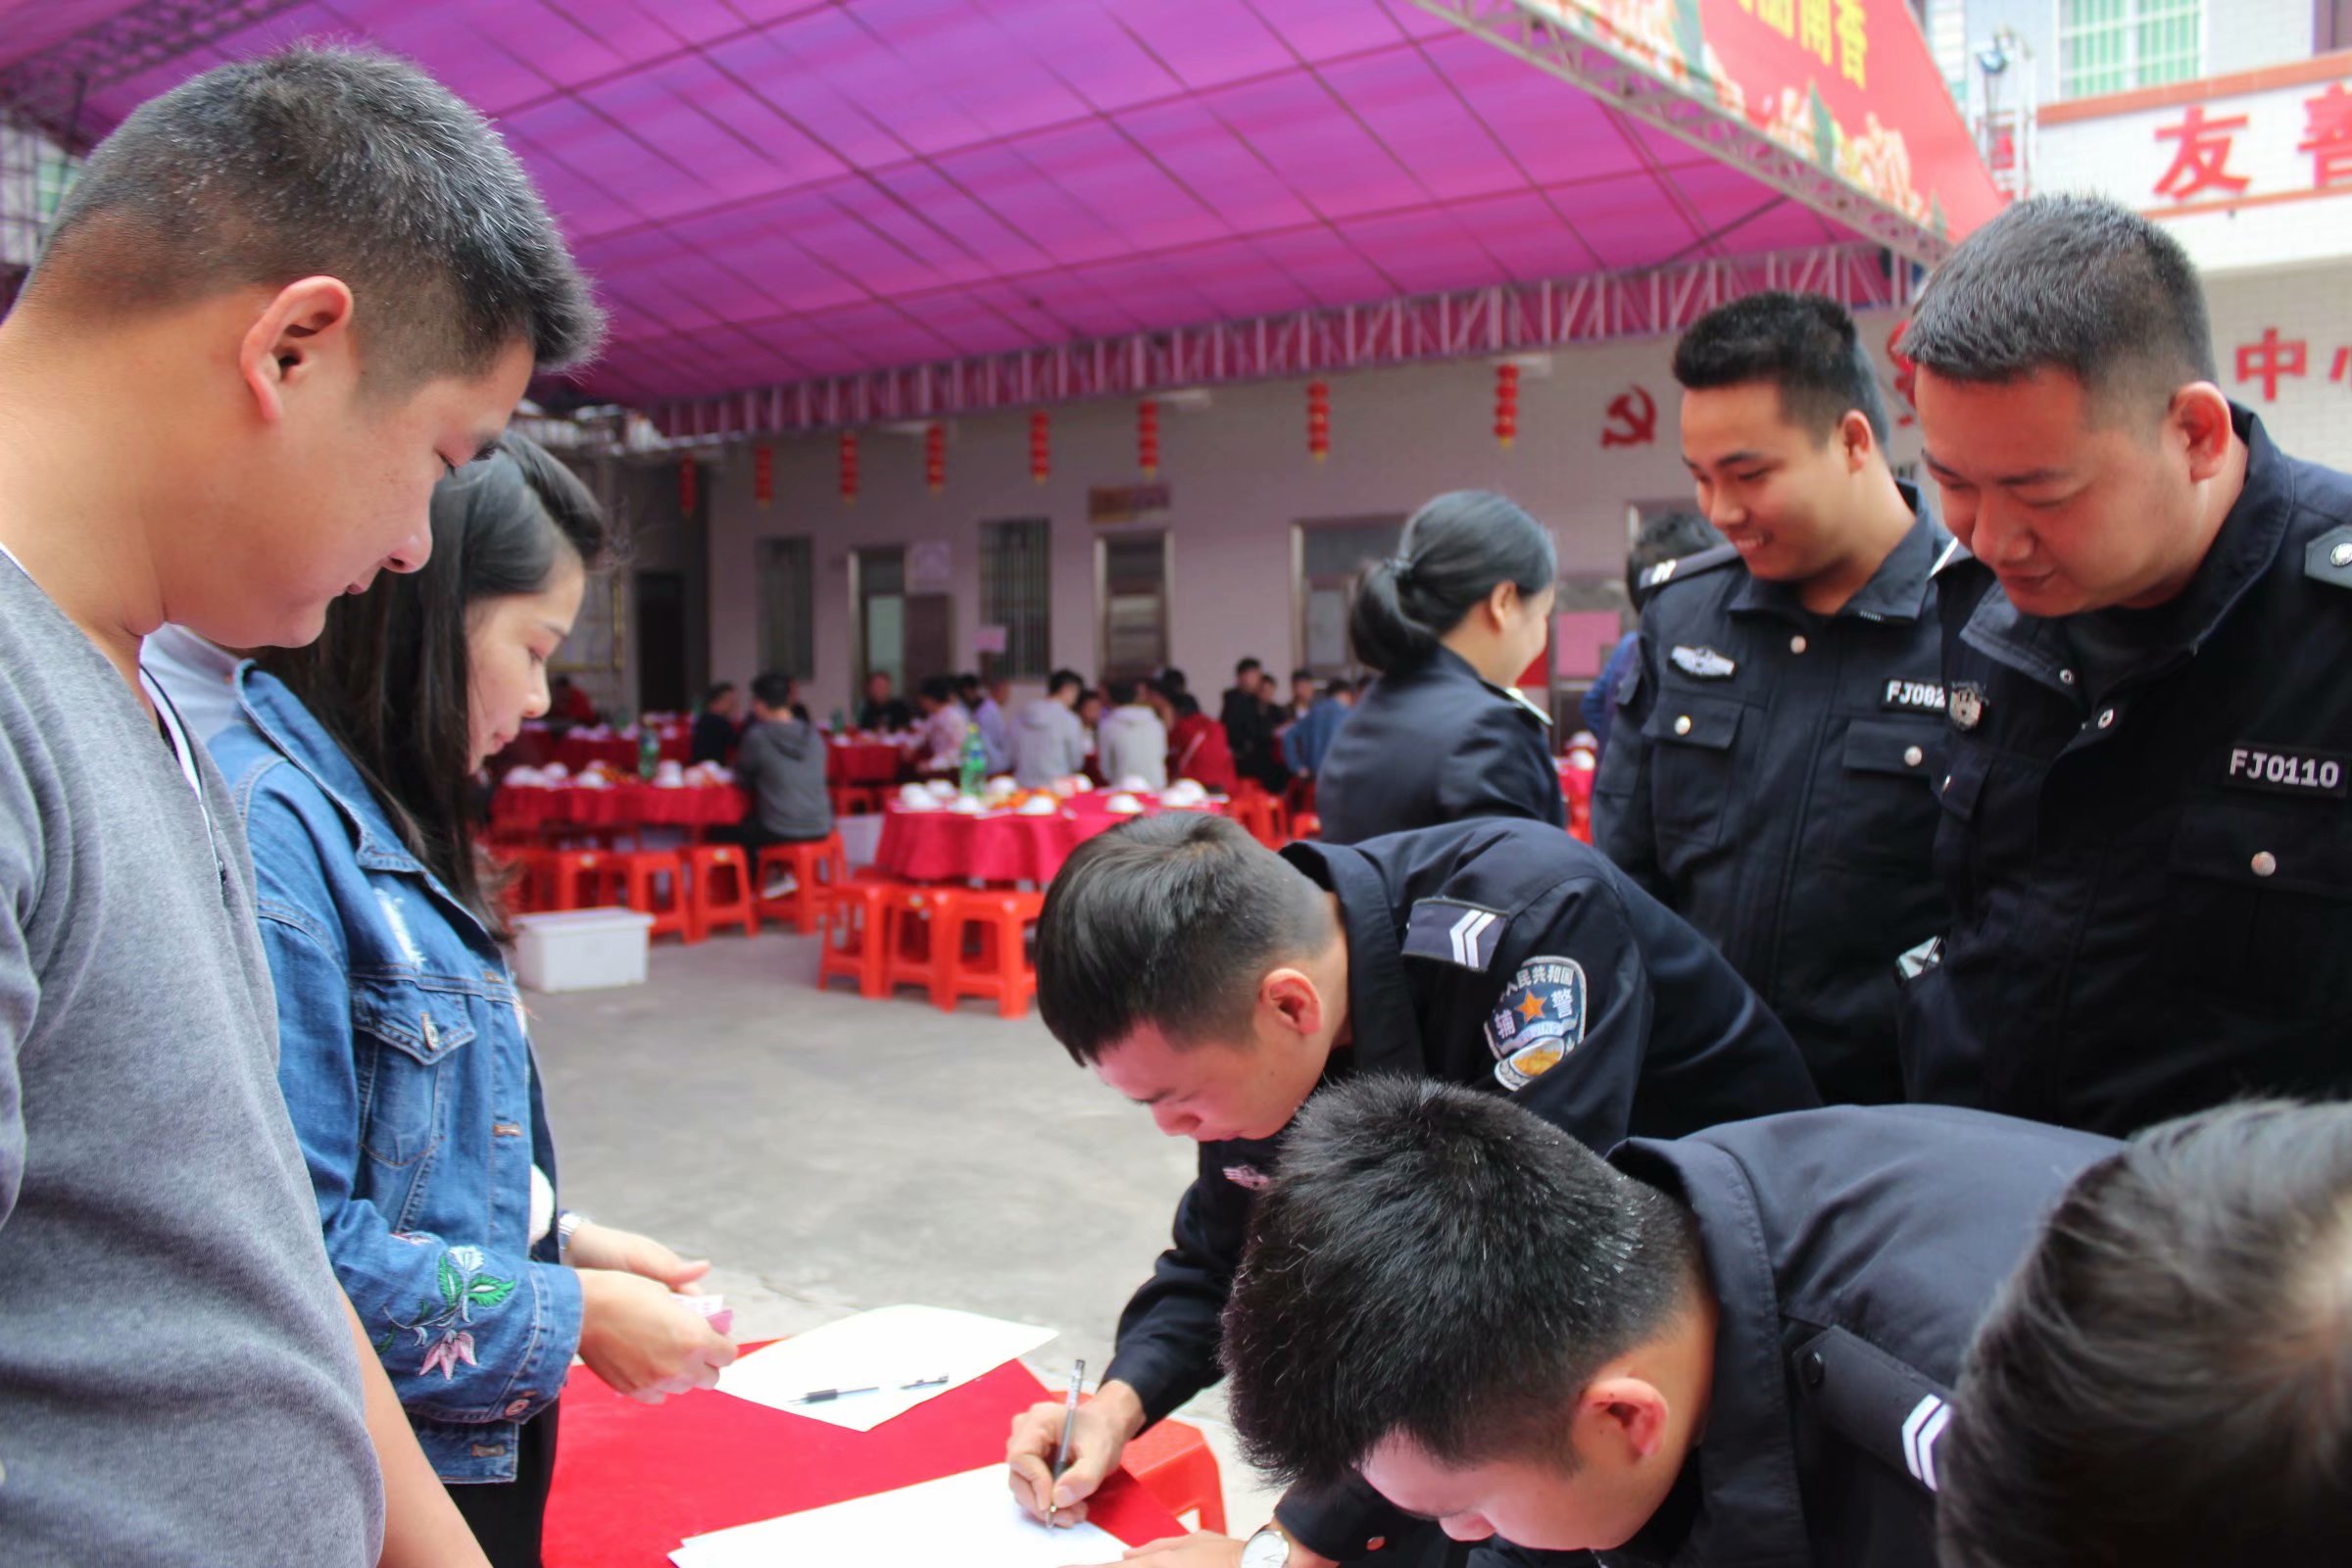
pixel 1506 405
pixel 764 474
pixel 688 488
pixel 1041 445
pixel 935 457
pixel 1318 420
pixel 849 467
pixel 1147 437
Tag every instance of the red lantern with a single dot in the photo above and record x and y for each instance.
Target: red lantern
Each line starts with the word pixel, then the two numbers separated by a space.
pixel 935 458
pixel 763 474
pixel 1318 420
pixel 688 488
pixel 1506 405
pixel 849 467
pixel 1041 445
pixel 1147 437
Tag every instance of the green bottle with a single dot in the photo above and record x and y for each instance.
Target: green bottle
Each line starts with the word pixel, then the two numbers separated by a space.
pixel 972 762
pixel 648 750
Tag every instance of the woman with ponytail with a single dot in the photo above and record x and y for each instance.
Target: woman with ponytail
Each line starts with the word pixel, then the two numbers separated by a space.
pixel 1450 622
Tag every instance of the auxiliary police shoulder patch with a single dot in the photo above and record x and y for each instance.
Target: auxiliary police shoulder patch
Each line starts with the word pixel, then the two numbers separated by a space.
pixel 1538 1021
pixel 1454 932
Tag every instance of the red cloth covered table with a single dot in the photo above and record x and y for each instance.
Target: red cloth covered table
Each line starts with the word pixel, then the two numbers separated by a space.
pixel 994 847
pixel 862 763
pixel 632 1481
pixel 619 805
pixel 576 751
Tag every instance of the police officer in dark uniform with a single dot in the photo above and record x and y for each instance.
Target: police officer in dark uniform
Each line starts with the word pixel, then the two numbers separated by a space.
pixel 1220 985
pixel 1451 622
pixel 1735 1347
pixel 2147 791
pixel 1777 736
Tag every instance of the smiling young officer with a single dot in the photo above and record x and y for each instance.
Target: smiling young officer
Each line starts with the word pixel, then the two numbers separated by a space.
pixel 1776 738
pixel 2147 799
pixel 1219 984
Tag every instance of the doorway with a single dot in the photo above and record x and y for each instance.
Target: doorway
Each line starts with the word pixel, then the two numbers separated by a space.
pixel 661 677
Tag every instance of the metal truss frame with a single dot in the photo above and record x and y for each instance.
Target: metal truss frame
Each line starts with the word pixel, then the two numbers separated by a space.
pixel 46 90
pixel 1471 323
pixel 1625 85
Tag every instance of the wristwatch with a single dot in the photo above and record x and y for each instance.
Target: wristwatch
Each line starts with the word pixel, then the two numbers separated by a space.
pixel 1268 1549
pixel 567 1225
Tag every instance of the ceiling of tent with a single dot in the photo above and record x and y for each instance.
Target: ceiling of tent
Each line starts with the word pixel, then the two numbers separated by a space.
pixel 774 190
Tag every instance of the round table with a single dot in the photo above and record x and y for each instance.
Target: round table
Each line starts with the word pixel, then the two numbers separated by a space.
pixel 948 846
pixel 619 805
pixel 862 763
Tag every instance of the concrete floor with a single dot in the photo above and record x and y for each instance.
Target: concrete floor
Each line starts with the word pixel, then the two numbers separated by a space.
pixel 831 1154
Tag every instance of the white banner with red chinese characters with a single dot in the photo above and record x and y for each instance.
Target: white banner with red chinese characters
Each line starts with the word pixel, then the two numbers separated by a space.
pixel 2250 171
pixel 2284 344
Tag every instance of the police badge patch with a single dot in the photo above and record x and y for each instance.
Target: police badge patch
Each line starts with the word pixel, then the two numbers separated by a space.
pixel 1538 1020
pixel 1247 1176
pixel 1966 704
pixel 1703 664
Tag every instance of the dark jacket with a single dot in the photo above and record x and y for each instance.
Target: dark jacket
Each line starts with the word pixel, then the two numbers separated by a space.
pixel 1502 955
pixel 713 739
pixel 1854 1252
pixel 781 763
pixel 1769 781
pixel 1250 731
pixel 1437 744
pixel 2149 850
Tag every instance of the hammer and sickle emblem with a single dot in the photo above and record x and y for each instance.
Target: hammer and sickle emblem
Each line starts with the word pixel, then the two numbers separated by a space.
pixel 1633 420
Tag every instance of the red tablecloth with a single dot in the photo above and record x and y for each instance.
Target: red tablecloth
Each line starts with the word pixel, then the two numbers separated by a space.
pixel 998 847
pixel 630 804
pixel 576 751
pixel 863 762
pixel 632 1481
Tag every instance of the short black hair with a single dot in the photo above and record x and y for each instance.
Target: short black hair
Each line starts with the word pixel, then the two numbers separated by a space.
pixel 1062 678
pixel 967 685
pixel 1803 344
pixel 343 161
pixel 1171 681
pixel 1185 703
pixel 718 689
pixel 1297 675
pixel 939 689
pixel 1439 1264
pixel 2167 1378
pixel 772 690
pixel 2073 283
pixel 1123 692
pixel 1169 920
pixel 1669 536
pixel 1338 686
pixel 1246 667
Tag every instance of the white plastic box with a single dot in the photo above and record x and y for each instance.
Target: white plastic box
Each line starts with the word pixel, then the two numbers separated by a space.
pixel 582 949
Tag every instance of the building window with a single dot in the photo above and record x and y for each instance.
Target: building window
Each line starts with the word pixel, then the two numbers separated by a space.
pixel 1132 586
pixel 1015 585
pixel 2120 45
pixel 787 644
pixel 1327 556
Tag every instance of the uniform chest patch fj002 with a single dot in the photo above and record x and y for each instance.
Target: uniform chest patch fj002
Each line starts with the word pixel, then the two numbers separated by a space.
pixel 1454 932
pixel 1537 1021
pixel 1703 663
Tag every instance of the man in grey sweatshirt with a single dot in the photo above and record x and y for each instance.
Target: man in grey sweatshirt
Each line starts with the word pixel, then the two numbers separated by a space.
pixel 781 765
pixel 1048 741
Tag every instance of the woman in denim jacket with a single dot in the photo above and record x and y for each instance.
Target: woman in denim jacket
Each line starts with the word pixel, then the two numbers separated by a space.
pixel 404 1053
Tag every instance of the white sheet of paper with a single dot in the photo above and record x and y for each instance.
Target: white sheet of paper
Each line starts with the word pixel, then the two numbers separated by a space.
pixel 887 1347
pixel 969 1520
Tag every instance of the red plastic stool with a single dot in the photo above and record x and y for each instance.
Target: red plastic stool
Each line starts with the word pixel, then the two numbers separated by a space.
pixel 912 945
pixel 854 926
pixel 525 876
pixel 720 890
pixel 998 964
pixel 1305 825
pixel 649 894
pixel 584 879
pixel 1260 816
pixel 819 866
pixel 856 800
pixel 1175 1464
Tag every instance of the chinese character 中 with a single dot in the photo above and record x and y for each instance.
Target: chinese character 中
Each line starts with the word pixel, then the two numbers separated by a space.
pixel 2202 163
pixel 2327 136
pixel 2271 360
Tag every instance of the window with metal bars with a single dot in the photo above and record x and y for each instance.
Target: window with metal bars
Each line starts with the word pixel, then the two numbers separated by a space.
pixel 2120 45
pixel 1016 594
pixel 1131 573
pixel 1327 556
pixel 787 639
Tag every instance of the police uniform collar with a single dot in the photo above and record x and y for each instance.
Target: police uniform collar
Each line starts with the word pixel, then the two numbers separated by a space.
pixel 1897 591
pixel 1446 661
pixel 1382 1026
pixel 1751 1509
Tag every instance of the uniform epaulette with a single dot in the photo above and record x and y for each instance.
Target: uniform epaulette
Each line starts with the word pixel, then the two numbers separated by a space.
pixel 1666 571
pixel 2328 557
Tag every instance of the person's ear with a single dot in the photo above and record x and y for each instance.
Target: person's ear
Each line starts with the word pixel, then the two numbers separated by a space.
pixel 1621 1418
pixel 1856 440
pixel 1502 604
pixel 1293 1002
pixel 301 329
pixel 2200 413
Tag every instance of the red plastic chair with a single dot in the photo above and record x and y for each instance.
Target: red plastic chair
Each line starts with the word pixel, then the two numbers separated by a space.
pixel 584 879
pixel 854 930
pixel 819 867
pixel 720 890
pixel 658 887
pixel 987 950
pixel 912 941
pixel 1175 1464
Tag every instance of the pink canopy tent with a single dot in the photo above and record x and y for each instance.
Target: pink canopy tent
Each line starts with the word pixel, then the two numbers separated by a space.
pixel 806 213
